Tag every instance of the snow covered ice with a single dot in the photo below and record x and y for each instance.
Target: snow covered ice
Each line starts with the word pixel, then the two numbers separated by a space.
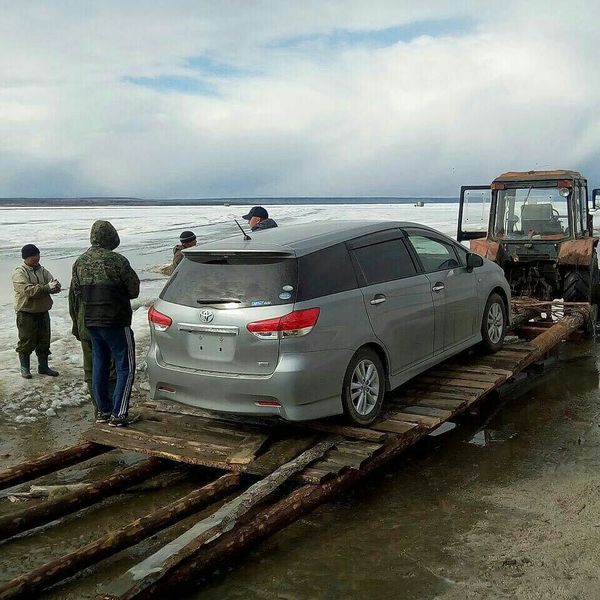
pixel 148 235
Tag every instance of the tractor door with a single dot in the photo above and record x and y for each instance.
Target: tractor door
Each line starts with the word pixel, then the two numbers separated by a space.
pixel 474 212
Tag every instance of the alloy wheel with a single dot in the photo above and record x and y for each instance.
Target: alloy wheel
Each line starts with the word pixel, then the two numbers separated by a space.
pixel 495 323
pixel 364 387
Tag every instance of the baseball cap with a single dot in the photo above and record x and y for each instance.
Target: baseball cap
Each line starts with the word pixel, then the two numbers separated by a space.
pixel 257 211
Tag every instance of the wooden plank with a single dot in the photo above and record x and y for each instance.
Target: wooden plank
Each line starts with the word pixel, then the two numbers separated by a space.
pixel 444 403
pixel 456 382
pixel 146 574
pixel 472 375
pixel 247 450
pixel 151 439
pixel 355 433
pixel 281 452
pixel 428 411
pixel 202 425
pixel 473 367
pixel 431 393
pixel 419 419
pixel 178 452
pixel 394 426
pixel 360 448
pixel 432 388
pixel 177 409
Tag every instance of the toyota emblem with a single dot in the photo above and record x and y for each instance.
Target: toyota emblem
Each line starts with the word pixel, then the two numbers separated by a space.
pixel 206 316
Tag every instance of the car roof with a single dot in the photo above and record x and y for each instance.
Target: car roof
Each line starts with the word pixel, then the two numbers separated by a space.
pixel 299 239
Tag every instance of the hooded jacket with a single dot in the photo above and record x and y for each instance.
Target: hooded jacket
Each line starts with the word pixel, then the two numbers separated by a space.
pixel 102 284
pixel 32 293
pixel 265 224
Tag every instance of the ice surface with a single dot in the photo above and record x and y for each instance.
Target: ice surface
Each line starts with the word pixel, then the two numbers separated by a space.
pixel 148 235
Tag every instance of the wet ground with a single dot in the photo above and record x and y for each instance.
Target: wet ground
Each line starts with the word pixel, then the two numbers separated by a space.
pixel 506 505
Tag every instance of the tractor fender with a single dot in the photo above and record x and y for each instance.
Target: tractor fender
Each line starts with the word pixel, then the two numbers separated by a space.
pixel 486 248
pixel 577 252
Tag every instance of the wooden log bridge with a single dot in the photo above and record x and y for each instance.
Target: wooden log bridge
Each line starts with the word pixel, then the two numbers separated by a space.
pixel 253 462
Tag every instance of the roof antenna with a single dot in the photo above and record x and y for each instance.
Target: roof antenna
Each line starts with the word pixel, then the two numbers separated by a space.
pixel 246 236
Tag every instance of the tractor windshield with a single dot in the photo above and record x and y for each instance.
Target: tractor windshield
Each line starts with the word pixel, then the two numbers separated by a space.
pixel 531 212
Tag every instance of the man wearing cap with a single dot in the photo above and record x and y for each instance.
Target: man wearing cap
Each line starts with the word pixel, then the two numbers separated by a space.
pixel 258 219
pixel 33 285
pixel 187 239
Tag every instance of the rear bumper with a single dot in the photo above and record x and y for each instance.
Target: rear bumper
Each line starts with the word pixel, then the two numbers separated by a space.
pixel 305 385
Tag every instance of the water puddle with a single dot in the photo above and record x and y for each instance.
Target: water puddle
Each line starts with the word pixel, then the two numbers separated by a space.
pixel 485 437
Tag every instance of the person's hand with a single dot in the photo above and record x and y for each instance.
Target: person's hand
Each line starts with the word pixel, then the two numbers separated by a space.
pixel 54 286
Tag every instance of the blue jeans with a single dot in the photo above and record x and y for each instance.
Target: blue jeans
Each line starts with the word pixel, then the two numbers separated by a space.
pixel 117 342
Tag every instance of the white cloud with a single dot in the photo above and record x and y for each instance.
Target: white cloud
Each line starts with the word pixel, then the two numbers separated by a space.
pixel 518 89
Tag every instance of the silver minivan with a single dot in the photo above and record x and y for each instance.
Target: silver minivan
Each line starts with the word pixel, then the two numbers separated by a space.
pixel 319 319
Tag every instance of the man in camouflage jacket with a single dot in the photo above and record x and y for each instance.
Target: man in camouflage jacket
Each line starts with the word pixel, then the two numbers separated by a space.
pixel 102 285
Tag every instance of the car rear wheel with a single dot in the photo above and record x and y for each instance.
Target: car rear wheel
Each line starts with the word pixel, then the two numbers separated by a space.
pixel 493 325
pixel 364 388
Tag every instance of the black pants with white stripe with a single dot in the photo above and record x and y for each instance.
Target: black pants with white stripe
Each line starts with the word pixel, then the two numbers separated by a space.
pixel 117 342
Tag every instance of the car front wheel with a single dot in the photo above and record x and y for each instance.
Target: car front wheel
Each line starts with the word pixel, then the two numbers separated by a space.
pixel 364 388
pixel 493 325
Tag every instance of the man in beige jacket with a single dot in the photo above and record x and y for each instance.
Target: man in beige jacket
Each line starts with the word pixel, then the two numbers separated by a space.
pixel 33 285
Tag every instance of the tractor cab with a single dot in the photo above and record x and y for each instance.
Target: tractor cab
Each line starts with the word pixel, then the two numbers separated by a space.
pixel 537 226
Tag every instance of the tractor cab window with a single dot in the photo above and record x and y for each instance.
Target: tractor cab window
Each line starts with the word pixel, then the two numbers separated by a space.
pixel 530 213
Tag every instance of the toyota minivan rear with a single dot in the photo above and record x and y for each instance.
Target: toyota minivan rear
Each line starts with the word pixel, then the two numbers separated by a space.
pixel 257 332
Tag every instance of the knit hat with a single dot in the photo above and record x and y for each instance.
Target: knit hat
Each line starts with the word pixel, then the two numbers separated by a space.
pixel 29 250
pixel 187 236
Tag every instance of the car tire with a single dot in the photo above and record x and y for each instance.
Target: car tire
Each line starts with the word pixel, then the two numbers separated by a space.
pixel 363 388
pixel 493 324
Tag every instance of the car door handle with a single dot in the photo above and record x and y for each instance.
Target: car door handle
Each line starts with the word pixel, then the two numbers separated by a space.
pixel 438 287
pixel 377 299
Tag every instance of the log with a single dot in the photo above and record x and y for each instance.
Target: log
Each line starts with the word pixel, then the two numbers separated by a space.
pixel 268 521
pixel 28 518
pixel 50 491
pixel 146 574
pixel 48 463
pixel 34 581
pixel 560 331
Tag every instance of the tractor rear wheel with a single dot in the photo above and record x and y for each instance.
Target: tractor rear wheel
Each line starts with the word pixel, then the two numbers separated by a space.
pixel 577 286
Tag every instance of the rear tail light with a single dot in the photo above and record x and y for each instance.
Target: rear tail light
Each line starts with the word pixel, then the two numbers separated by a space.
pixel 161 322
pixel 294 324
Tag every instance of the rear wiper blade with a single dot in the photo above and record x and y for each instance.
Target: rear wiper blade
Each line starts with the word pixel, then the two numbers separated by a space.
pixel 218 301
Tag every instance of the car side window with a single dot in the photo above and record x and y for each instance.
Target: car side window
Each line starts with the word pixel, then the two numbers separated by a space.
pixel 383 262
pixel 434 254
pixel 324 272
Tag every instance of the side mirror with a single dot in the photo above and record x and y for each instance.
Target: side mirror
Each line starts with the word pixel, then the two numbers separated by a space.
pixel 474 261
pixel 596 198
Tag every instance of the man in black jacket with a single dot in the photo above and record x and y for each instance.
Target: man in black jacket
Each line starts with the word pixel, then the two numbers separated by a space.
pixel 105 283
pixel 258 219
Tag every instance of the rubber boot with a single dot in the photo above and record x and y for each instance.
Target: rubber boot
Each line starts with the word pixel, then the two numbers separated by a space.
pixel 25 361
pixel 44 369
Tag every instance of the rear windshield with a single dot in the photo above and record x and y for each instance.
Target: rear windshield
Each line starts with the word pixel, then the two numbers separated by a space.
pixel 232 282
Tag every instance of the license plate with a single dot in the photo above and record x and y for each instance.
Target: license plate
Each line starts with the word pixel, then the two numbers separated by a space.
pixel 212 346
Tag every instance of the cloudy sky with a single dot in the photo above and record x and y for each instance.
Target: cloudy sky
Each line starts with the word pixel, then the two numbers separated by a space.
pixel 293 98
